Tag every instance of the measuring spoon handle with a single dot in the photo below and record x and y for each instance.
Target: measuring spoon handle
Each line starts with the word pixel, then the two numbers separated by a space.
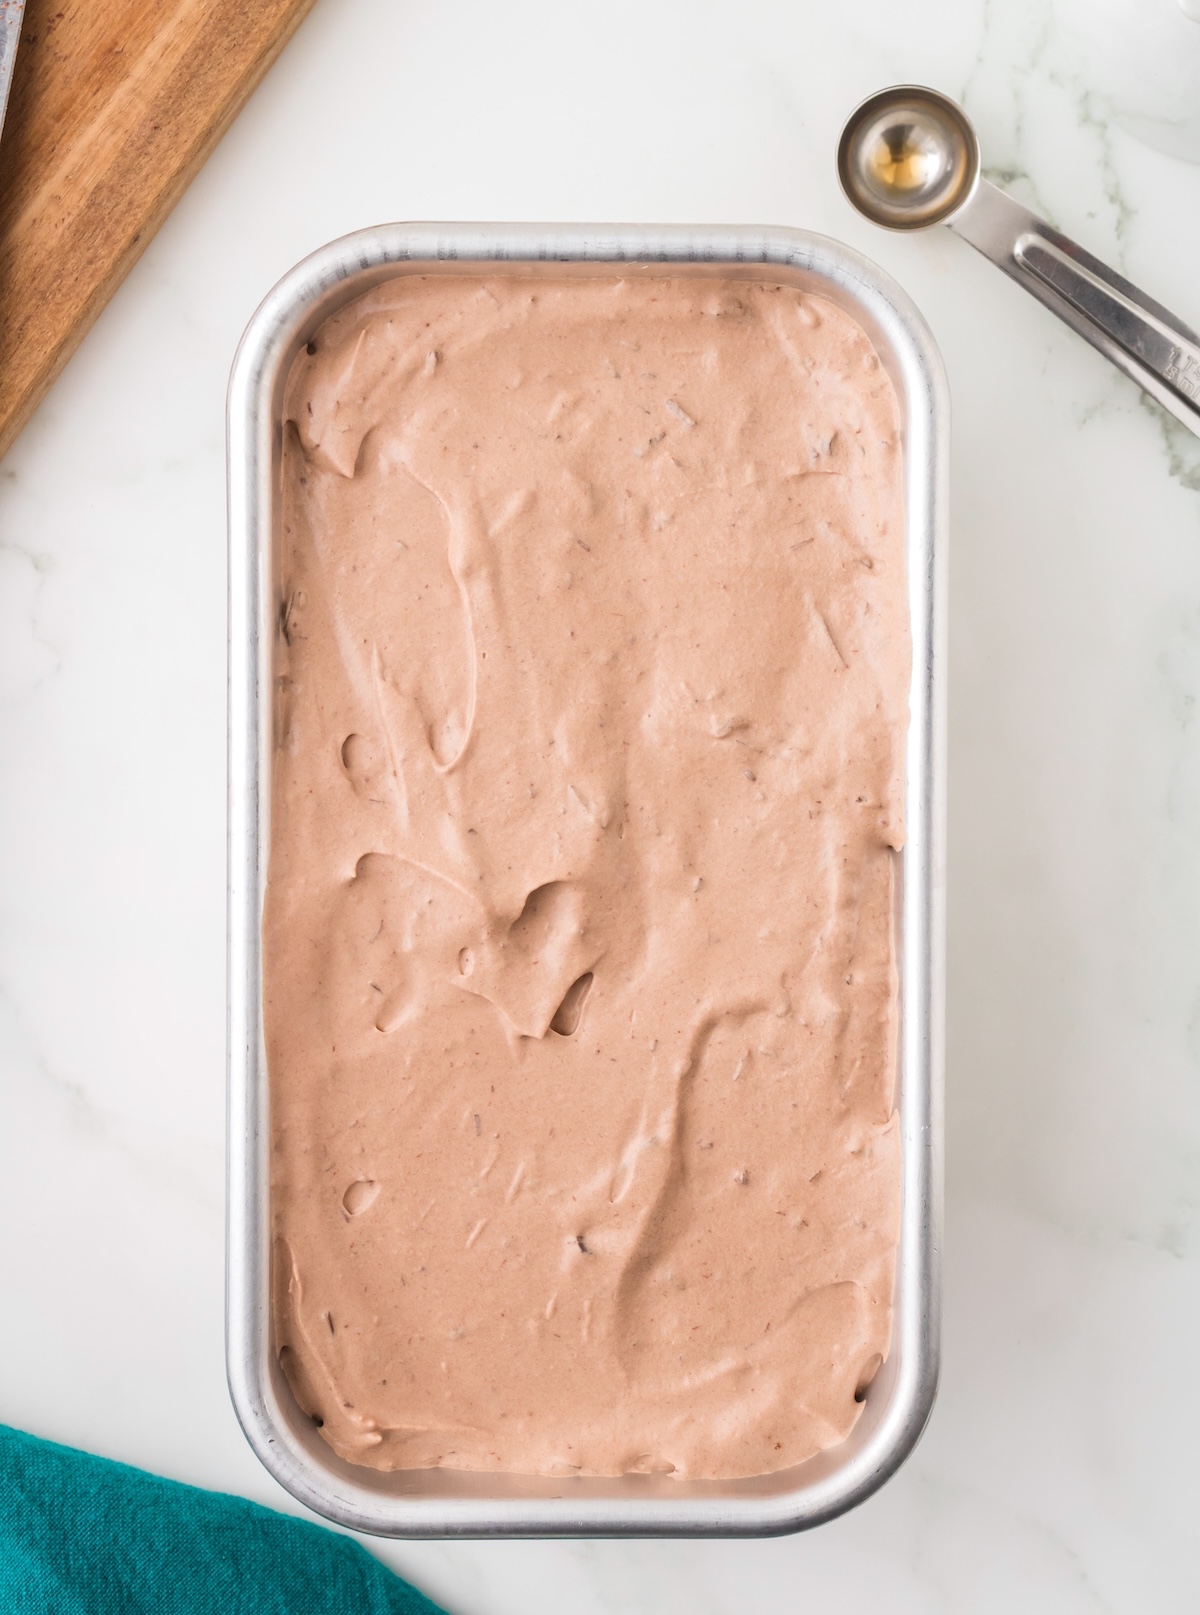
pixel 1141 337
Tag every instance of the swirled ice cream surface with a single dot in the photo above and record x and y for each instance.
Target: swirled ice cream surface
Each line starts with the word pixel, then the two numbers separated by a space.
pixel 580 984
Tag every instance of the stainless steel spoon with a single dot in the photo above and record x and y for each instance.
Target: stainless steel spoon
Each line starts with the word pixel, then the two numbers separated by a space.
pixel 909 157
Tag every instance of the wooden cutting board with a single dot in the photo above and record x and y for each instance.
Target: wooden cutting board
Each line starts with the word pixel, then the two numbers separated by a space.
pixel 115 105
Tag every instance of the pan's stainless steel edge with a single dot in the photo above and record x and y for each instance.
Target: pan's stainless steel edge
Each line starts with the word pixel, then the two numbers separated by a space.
pixel 442 1503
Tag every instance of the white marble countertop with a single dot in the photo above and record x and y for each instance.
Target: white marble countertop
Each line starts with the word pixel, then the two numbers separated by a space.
pixel 1059 1472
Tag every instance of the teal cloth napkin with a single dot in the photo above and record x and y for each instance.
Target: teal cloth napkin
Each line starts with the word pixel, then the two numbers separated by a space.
pixel 85 1536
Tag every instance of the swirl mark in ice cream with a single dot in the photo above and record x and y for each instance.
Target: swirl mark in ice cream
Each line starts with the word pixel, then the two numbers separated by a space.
pixel 580 986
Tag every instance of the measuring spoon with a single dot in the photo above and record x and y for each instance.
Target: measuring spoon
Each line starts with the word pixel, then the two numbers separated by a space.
pixel 909 157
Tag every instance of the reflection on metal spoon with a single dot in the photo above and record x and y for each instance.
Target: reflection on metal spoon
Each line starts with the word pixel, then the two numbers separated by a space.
pixel 908 158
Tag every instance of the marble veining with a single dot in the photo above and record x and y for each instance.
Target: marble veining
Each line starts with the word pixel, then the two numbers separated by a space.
pixel 1058 1473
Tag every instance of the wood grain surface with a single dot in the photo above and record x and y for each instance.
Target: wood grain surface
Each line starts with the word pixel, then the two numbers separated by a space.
pixel 115 105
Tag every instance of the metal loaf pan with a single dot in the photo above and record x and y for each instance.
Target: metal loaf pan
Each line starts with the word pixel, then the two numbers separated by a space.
pixel 452 1503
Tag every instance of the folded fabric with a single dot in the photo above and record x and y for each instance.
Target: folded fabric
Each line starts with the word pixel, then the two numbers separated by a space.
pixel 85 1536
